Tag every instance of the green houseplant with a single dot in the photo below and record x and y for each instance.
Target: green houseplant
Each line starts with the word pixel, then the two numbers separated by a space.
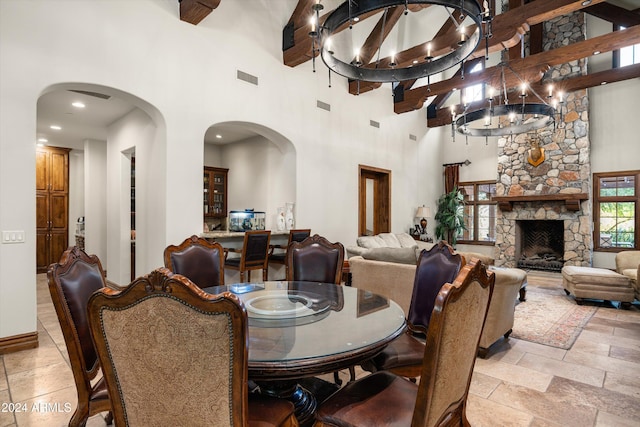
pixel 450 219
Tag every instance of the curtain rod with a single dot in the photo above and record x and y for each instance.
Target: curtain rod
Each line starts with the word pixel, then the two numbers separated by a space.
pixel 466 163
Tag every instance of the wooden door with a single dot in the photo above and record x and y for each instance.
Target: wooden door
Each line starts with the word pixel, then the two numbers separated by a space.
pixel 374 201
pixel 52 205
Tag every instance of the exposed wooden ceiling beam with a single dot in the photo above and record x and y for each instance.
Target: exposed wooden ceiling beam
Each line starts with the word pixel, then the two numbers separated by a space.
pixel 508 29
pixel 414 98
pixel 380 32
pixel 194 11
pixel 614 14
pixel 443 115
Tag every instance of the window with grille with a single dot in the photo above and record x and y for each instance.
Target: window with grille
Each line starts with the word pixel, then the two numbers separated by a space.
pixel 479 212
pixel 616 199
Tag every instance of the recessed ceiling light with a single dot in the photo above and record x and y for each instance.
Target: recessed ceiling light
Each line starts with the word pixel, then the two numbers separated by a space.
pixel 415 61
pixel 55 127
pixel 218 136
pixel 78 104
pixel 597 52
pixel 603 83
pixel 43 140
pixel 356 19
pixel 586 2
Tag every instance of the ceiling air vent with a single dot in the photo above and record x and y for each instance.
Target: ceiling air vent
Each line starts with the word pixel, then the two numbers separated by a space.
pixel 247 77
pixel 413 137
pixel 89 93
pixel 374 124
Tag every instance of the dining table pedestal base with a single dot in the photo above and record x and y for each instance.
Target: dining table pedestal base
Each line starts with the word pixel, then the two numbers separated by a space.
pixel 305 394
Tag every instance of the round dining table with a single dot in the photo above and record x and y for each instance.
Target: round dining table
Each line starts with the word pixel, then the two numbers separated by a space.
pixel 300 330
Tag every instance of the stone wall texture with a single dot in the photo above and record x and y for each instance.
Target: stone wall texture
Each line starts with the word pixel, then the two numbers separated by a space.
pixel 566 168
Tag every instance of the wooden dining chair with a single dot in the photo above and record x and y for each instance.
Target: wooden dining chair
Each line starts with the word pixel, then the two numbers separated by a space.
pixel 278 253
pixel 254 254
pixel 175 355
pixel 385 399
pixel 71 281
pixel 198 259
pixel 403 356
pixel 315 259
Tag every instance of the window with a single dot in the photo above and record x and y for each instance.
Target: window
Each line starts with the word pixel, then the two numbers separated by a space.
pixel 616 198
pixel 479 212
pixel 628 55
pixel 474 92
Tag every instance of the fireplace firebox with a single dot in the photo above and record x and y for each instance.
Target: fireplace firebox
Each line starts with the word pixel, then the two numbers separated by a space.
pixel 540 244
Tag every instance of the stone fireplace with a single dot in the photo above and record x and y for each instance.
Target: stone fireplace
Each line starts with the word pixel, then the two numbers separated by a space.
pixel 557 190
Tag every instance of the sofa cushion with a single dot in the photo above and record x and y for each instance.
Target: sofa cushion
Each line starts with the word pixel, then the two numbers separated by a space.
pixel 390 240
pixel 370 242
pixel 631 273
pixel 397 255
pixel 406 241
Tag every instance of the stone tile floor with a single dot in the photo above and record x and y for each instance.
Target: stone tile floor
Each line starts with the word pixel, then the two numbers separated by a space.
pixel 595 383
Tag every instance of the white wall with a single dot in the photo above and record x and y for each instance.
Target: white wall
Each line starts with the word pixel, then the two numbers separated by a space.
pixel 184 77
pixel 76 191
pixel 95 190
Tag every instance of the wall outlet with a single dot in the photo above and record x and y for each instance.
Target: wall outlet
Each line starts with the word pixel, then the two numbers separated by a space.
pixel 16 236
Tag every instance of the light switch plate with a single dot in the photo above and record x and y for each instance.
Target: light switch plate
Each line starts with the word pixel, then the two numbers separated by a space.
pixel 15 236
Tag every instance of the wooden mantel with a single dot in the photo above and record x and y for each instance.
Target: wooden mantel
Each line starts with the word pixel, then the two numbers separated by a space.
pixel 571 200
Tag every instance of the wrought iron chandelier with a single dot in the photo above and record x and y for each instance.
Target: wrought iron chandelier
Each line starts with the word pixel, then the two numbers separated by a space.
pixel 389 70
pixel 504 119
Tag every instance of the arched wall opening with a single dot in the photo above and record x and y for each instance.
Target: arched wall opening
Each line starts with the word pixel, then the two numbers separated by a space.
pixel 262 166
pixel 104 137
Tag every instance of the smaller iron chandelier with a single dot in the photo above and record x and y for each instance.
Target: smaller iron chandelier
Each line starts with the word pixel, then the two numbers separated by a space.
pixel 350 11
pixel 508 119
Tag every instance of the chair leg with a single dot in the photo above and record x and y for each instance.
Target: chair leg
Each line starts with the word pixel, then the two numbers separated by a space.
pixel 336 378
pixel 241 276
pixel 265 274
pixel 109 418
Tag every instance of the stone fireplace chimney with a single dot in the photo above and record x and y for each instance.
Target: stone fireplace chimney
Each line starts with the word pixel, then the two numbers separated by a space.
pixel 558 188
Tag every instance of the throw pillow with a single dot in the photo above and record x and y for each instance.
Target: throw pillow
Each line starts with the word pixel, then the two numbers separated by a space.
pixel 397 255
pixel 369 242
pixel 406 241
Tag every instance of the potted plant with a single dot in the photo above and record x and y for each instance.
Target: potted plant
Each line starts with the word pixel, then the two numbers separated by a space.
pixel 450 219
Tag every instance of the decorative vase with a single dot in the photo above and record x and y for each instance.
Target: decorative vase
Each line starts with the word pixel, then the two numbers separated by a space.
pixel 289 216
pixel 281 222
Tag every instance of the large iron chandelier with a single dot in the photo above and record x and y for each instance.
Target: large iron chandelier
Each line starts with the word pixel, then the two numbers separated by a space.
pixel 499 118
pixel 351 11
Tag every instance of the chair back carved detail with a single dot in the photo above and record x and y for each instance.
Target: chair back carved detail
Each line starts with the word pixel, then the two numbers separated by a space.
pixel 71 282
pixel 315 259
pixel 451 347
pixel 171 353
pixel 437 266
pixel 198 259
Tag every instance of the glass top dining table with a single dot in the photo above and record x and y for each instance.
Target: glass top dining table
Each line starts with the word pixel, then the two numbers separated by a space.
pixel 304 329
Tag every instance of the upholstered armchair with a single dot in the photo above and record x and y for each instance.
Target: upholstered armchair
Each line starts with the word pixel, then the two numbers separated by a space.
pixel 628 264
pixel 500 316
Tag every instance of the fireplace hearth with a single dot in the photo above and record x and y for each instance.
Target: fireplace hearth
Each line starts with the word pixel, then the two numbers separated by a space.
pixel 540 244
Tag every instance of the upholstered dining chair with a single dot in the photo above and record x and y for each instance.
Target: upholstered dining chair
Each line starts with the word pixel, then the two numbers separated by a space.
pixel 175 355
pixel 278 253
pixel 254 254
pixel 403 356
pixel 71 282
pixel 385 399
pixel 198 259
pixel 315 259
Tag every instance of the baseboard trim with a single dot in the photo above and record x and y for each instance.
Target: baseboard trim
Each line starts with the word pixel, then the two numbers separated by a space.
pixel 18 342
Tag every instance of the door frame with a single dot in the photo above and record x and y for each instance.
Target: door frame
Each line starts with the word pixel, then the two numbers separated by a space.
pixel 381 199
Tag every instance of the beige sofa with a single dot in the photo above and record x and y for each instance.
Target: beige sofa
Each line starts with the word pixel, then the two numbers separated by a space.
pixel 395 281
pixel 628 264
pixel 399 248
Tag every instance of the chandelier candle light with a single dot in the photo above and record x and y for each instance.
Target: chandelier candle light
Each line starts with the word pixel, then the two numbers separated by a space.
pixel 391 68
pixel 508 119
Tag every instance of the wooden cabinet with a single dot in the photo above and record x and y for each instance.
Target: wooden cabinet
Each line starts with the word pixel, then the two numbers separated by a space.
pixel 52 205
pixel 215 192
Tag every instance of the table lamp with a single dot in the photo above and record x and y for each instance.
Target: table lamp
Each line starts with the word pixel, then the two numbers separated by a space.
pixel 425 213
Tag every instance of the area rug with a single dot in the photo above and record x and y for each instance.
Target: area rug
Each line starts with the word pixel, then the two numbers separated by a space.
pixel 549 316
